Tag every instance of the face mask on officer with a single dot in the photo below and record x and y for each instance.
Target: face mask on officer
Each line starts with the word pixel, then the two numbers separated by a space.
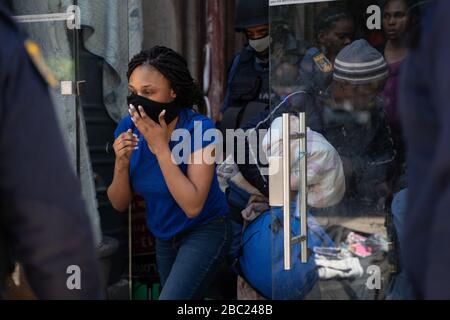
pixel 259 40
pixel 260 45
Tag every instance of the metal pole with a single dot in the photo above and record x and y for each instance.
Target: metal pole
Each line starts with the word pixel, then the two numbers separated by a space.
pixel 286 191
pixel 130 255
pixel 77 99
pixel 303 191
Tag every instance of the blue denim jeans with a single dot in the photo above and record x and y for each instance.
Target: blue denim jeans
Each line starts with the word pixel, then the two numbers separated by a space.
pixel 401 288
pixel 188 262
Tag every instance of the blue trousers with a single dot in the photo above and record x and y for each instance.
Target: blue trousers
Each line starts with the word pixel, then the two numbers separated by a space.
pixel 188 263
pixel 401 288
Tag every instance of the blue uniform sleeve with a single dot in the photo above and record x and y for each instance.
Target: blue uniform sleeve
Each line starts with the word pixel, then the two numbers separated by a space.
pixel 307 65
pixel 425 111
pixel 439 255
pixel 226 100
pixel 231 74
pixel 41 204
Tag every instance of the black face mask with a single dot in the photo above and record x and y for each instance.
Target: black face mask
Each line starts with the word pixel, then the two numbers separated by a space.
pixel 153 109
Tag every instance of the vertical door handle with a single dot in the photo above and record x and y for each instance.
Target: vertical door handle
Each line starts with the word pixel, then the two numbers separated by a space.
pixel 302 190
pixel 280 188
pixel 286 191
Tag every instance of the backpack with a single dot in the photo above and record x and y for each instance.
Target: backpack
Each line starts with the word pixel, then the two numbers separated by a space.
pixel 264 236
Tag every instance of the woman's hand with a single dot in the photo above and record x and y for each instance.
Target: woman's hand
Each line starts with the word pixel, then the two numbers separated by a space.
pixel 124 146
pixel 156 135
pixel 119 192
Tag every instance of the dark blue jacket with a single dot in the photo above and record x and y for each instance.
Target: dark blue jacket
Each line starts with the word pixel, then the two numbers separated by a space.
pixel 425 110
pixel 42 214
pixel 367 152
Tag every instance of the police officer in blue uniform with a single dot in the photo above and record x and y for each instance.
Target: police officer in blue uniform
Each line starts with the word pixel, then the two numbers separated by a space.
pixel 425 111
pixel 247 94
pixel 334 29
pixel 43 221
pixel 248 91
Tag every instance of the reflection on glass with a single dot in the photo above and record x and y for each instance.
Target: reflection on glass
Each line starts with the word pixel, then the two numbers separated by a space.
pixel 347 77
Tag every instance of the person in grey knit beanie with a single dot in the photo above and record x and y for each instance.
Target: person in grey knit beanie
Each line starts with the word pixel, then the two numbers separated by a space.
pixel 355 124
pixel 360 73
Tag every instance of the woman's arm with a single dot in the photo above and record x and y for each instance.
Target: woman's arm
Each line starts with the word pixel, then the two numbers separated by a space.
pixel 119 192
pixel 189 191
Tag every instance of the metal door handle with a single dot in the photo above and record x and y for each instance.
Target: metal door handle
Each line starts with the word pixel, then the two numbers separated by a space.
pixel 286 191
pixel 280 191
pixel 302 188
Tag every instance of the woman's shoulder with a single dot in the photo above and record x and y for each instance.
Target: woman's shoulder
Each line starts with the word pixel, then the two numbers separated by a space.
pixel 190 119
pixel 200 129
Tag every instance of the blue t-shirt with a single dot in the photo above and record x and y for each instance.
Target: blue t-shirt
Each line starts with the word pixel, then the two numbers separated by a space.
pixel 165 218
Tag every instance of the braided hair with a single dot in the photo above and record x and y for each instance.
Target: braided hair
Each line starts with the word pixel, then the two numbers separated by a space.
pixel 175 69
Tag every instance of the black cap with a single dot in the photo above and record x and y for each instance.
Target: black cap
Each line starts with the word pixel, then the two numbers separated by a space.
pixel 251 13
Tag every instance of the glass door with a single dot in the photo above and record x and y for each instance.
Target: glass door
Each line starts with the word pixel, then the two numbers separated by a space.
pixel 53 37
pixel 335 156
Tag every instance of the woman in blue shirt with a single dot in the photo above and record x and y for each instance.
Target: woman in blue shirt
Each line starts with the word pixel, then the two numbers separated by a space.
pixel 158 147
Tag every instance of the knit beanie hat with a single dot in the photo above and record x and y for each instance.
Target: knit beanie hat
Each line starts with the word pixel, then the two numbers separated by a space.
pixel 359 63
